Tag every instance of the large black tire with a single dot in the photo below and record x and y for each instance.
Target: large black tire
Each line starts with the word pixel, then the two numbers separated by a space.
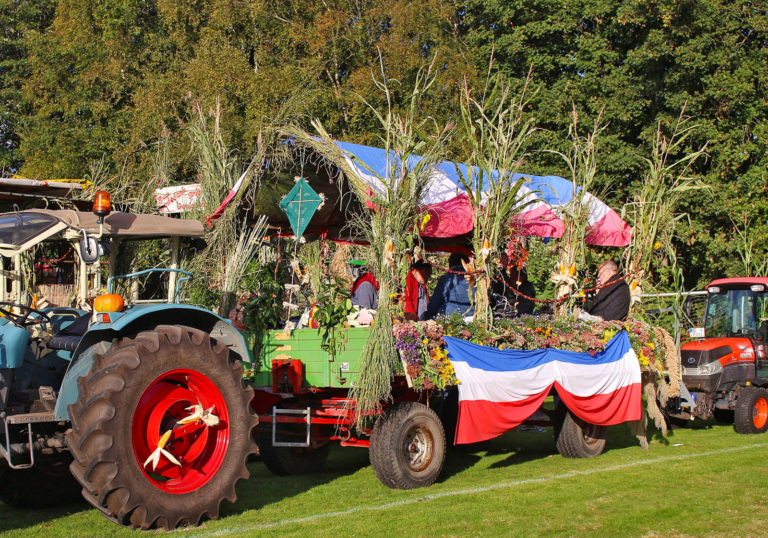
pixel 407 446
pixel 287 460
pixel 579 439
pixel 45 485
pixel 751 413
pixel 111 420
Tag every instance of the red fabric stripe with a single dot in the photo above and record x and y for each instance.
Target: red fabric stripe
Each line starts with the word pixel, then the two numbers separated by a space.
pixel 615 407
pixel 480 420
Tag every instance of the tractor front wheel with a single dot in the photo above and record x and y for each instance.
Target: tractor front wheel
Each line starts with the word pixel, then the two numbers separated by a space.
pixel 407 446
pixel 751 413
pixel 161 429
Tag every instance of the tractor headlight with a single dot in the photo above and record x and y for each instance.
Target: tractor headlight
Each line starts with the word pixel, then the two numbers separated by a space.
pixel 711 368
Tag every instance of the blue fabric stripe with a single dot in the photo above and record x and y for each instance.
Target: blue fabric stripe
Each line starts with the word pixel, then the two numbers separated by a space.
pixel 492 359
pixel 554 190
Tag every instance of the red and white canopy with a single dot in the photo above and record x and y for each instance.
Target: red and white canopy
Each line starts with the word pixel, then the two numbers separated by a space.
pixel 451 212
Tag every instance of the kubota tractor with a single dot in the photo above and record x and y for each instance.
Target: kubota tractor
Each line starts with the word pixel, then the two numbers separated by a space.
pixel 725 369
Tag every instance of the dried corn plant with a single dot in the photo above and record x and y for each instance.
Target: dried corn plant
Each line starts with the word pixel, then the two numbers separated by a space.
pixel 752 262
pixel 581 162
pixel 498 133
pixel 653 211
pixel 219 169
pixel 413 145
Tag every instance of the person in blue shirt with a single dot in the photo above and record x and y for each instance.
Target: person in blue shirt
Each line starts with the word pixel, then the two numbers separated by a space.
pixel 452 291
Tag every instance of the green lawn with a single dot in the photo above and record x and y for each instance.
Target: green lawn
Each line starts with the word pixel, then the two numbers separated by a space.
pixel 704 481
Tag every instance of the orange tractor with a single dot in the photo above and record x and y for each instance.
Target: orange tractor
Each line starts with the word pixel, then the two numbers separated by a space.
pixel 725 367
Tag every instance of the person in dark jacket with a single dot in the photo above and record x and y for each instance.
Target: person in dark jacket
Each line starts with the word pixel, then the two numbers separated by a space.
pixel 451 292
pixel 504 301
pixel 610 302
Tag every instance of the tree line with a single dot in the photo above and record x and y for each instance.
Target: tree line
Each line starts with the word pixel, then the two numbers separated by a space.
pixel 111 81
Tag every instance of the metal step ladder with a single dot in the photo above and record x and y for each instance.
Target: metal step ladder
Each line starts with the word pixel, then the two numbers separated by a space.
pixel 22 421
pixel 306 412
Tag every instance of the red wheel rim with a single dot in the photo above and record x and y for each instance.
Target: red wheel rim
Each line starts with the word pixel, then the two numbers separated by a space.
pixel 199 448
pixel 760 413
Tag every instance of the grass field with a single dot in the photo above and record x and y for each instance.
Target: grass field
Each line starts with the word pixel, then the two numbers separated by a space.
pixel 703 481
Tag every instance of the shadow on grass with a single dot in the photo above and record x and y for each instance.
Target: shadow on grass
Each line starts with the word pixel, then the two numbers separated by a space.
pixel 261 489
pixel 12 518
pixel 264 488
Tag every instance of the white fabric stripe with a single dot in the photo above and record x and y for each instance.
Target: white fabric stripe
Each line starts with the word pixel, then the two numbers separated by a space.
pixel 439 189
pixel 579 379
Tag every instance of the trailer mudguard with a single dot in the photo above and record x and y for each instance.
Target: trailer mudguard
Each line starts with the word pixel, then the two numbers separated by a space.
pixel 134 320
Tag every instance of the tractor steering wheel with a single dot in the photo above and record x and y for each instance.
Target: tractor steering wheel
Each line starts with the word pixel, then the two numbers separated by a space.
pixel 20 320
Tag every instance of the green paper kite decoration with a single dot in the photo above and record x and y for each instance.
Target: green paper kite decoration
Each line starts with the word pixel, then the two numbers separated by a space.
pixel 300 205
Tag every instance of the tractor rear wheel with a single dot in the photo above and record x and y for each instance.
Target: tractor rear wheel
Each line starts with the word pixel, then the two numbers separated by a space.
pixel 751 414
pixel 290 460
pixel 161 429
pixel 407 446
pixel 579 439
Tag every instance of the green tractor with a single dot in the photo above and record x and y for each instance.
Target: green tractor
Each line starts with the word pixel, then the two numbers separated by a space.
pixel 143 404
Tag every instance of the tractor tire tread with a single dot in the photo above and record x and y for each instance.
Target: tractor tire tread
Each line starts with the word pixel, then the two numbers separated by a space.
pixel 742 415
pixel 98 460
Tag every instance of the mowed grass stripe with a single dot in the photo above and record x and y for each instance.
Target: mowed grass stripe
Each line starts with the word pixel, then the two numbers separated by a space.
pixel 482 489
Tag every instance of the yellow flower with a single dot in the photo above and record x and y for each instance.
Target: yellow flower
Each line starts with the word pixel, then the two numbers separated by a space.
pixel 425 341
pixel 424 220
pixel 657 245
pixel 572 270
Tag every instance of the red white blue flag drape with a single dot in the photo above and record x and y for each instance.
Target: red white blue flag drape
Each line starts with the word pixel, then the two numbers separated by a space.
pixel 499 389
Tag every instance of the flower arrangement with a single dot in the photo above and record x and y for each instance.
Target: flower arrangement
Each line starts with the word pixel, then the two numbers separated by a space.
pixel 423 353
pixel 425 359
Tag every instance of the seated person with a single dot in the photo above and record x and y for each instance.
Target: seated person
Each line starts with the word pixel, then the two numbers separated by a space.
pixel 504 301
pixel 416 295
pixel 365 291
pixel 452 291
pixel 611 302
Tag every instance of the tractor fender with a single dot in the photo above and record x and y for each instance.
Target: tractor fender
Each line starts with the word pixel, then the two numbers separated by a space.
pixel 101 336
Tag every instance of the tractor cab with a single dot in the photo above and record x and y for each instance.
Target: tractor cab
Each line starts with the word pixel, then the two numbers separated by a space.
pixel 57 282
pixel 730 351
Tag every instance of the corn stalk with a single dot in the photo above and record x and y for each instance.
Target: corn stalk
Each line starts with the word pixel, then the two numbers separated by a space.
pixel 391 228
pixel 497 132
pixel 653 211
pixel 582 165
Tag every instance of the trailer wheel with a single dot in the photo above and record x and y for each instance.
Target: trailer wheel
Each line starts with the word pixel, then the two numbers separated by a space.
pixel 134 401
pixel 579 439
pixel 42 486
pixel 407 446
pixel 751 414
pixel 289 460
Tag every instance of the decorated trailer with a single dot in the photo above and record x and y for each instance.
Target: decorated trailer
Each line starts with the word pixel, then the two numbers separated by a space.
pixel 302 397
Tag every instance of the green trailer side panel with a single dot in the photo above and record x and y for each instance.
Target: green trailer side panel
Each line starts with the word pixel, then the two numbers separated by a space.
pixel 319 368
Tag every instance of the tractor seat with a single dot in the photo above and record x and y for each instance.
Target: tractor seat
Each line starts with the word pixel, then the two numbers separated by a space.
pixel 70 336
